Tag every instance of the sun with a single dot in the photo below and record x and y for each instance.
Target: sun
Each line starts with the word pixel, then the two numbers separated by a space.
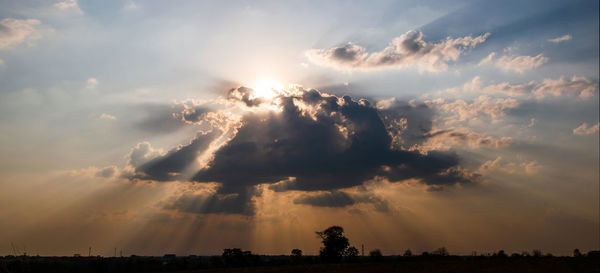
pixel 267 88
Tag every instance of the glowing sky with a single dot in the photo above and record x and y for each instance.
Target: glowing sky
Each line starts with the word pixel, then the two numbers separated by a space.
pixel 192 126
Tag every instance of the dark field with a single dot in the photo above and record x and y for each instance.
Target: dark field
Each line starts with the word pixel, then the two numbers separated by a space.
pixel 306 264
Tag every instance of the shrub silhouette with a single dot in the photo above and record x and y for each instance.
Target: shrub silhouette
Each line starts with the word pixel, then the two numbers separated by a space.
pixel 376 255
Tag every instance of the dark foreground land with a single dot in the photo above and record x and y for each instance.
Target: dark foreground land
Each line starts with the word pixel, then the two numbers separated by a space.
pixel 189 264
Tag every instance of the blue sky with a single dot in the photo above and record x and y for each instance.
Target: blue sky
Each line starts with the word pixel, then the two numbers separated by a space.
pixel 148 104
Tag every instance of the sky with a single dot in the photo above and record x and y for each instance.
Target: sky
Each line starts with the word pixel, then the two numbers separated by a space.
pixel 188 127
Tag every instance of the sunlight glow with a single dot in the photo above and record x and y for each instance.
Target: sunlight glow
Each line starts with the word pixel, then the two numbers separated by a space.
pixel 267 88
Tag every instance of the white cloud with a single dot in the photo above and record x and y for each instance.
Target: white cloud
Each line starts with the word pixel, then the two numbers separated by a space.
pixel 487 59
pixel 581 85
pixel 14 31
pixel 66 4
pixel 461 110
pixel 583 129
pixel 520 63
pixel 107 116
pixel 91 83
pixel 407 50
pixel 561 39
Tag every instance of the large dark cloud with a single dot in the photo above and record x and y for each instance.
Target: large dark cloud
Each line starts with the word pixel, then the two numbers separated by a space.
pixel 407 123
pixel 171 165
pixel 317 142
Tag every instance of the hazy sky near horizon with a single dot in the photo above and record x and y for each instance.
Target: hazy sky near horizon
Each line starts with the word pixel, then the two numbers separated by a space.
pixel 192 126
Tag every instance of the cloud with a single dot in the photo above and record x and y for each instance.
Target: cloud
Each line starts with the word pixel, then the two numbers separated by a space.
pixel 14 31
pixel 209 202
pixel 461 110
pixel 328 199
pixel 579 86
pixel 406 123
pixel 91 172
pixel 444 139
pixel 342 199
pixel 563 38
pixel 107 116
pixel 107 172
pixel 66 4
pixel 173 165
pixel 532 167
pixel 526 167
pixel 245 95
pixel 520 63
pixel 142 153
pixel 584 129
pixel 559 87
pixel 311 141
pixel 407 50
pixel 487 59
pixel 91 83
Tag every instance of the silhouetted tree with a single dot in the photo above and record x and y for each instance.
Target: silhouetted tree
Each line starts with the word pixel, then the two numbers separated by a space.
pixel 500 254
pixel 335 244
pixel 576 253
pixel 296 252
pixel 595 254
pixel 237 257
pixel 351 252
pixel 408 253
pixel 376 254
pixel 440 252
pixel 537 253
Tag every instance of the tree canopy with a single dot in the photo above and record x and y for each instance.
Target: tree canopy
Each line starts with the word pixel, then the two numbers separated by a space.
pixel 335 244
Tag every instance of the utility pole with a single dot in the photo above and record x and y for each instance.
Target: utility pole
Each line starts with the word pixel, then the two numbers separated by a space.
pixel 363 249
pixel 121 253
pixel 115 252
pixel 90 252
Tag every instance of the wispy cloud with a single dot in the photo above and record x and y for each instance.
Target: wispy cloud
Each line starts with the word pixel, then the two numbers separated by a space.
pixel 560 39
pixel 584 129
pixel 577 86
pixel 15 31
pixel 520 63
pixel 65 4
pixel 409 49
pixel 107 116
